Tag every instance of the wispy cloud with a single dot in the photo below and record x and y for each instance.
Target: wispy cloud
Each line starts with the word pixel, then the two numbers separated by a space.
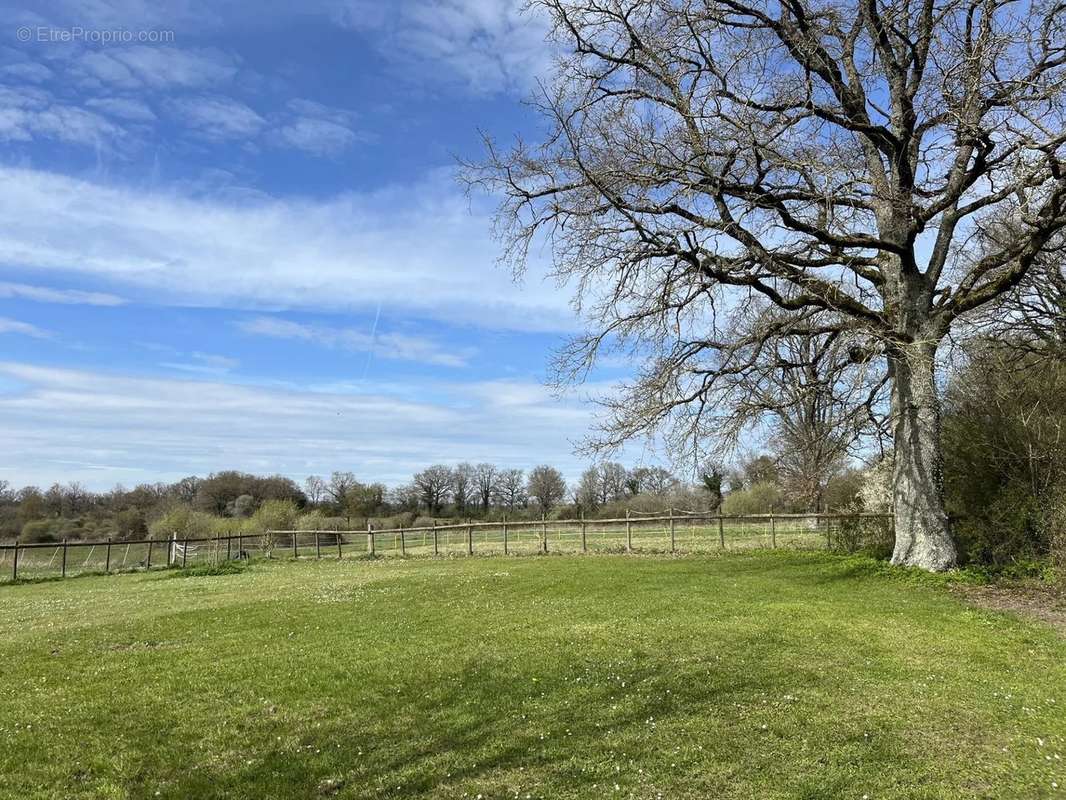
pixel 44 294
pixel 416 248
pixel 218 117
pixel 27 113
pixel 384 345
pixel 8 325
pixel 153 429
pixel 315 128
pixel 490 45
pixel 123 107
pixel 204 364
pixel 153 67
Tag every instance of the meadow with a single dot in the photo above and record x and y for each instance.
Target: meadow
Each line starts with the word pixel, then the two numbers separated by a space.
pixel 757 674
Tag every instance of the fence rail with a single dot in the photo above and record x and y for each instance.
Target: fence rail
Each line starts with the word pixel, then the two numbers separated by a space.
pixel 677 531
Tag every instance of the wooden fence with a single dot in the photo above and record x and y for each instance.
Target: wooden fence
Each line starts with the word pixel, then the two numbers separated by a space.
pixel 673 532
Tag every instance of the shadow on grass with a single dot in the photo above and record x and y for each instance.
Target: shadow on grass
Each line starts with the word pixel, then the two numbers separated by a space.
pixel 485 729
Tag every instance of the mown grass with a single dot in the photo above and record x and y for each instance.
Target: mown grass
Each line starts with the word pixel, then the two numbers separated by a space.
pixel 758 675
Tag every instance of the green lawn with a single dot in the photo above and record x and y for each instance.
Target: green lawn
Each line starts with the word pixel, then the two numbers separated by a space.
pixel 751 675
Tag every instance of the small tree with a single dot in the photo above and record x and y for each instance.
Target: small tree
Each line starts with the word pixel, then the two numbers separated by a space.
pixel 463 486
pixel 340 483
pixel 486 476
pixel 315 489
pixel 511 489
pixel 546 487
pixel 612 480
pixel 711 477
pixel 434 485
pixel 588 494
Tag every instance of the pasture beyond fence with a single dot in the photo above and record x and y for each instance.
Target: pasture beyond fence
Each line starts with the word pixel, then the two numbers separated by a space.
pixel 674 532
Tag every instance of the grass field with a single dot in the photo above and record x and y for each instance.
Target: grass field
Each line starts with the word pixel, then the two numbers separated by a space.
pixel 751 675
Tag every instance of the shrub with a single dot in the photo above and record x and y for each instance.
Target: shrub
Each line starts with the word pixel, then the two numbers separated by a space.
pixel 1004 466
pixel 273 515
pixel 405 519
pixel 183 521
pixel 759 498
pixel 130 524
pixel 39 531
pixel 1054 522
pixel 855 534
pixel 317 521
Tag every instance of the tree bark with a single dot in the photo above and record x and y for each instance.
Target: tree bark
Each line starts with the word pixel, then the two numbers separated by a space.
pixel 923 535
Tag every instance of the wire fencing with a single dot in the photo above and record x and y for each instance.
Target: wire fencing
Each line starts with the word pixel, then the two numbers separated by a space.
pixel 676 532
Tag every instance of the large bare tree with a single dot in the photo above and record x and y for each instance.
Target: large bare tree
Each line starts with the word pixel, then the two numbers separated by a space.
pixel 708 159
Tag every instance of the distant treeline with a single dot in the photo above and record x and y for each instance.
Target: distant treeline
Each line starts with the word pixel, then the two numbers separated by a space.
pixel 230 500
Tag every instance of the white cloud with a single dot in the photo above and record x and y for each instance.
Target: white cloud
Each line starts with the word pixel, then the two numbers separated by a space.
pixel 490 45
pixel 154 67
pixel 27 71
pixel 319 137
pixel 204 364
pixel 8 325
pixel 193 16
pixel 413 248
pixel 399 346
pixel 123 107
pixel 315 128
pixel 27 113
pixel 101 428
pixel 44 294
pixel 218 117
pixel 71 124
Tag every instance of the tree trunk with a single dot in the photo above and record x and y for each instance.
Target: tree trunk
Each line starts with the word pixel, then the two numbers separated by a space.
pixel 923 536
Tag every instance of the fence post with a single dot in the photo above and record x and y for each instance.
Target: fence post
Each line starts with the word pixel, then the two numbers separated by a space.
pixel 543 532
pixel 107 559
pixel 721 530
pixel 64 568
pixel 629 533
pixel 15 563
pixel 403 544
pixel 229 547
pixel 584 539
pixel 436 549
pixel 470 540
pixel 828 533
pixel 673 540
pixel 318 545
pixel 340 541
pixel 148 558
pixel 370 546
pixel 773 529
pixel 184 551
pixel 295 552
pixel 505 534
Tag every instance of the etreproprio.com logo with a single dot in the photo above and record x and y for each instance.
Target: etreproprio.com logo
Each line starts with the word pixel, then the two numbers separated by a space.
pixel 44 33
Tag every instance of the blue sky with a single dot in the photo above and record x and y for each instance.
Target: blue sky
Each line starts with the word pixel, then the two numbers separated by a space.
pixel 239 243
